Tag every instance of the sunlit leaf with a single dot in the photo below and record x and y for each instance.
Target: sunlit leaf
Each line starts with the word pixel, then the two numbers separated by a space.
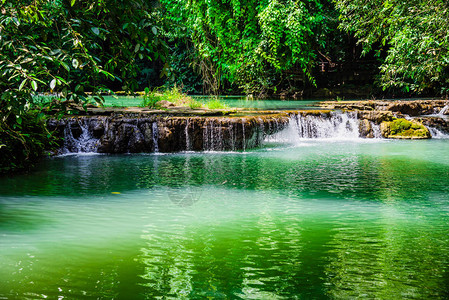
pixel 53 84
pixel 75 63
pixel 65 66
pixel 22 84
pixel 95 30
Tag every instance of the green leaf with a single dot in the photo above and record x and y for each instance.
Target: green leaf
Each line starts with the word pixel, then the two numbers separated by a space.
pixel 72 3
pixel 34 85
pixel 22 84
pixel 75 63
pixel 65 66
pixel 53 84
pixel 154 30
pixel 95 30
pixel 108 74
pixel 60 79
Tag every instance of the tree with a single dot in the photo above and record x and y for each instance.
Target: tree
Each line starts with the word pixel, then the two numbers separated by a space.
pixel 257 44
pixel 68 48
pixel 414 35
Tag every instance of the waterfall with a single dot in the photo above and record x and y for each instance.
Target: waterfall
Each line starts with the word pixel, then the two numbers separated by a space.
pixel 232 133
pixel 78 138
pixel 336 125
pixel 155 136
pixel 443 111
pixel 438 134
pixel 186 132
pixel 243 135
pixel 377 134
pixel 212 135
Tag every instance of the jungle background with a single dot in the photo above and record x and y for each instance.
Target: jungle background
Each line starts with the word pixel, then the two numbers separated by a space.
pixel 295 49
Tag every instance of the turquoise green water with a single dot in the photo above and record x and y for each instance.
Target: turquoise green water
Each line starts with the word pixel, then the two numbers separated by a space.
pixel 315 220
pixel 231 101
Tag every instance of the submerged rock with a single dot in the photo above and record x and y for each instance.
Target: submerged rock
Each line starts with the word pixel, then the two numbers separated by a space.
pixel 404 129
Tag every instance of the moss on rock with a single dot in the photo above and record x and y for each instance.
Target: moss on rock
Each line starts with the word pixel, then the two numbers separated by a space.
pixel 404 129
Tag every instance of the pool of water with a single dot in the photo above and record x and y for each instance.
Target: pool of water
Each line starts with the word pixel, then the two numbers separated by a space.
pixel 231 101
pixel 313 219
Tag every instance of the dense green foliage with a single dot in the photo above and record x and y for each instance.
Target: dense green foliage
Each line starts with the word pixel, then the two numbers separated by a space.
pixel 66 47
pixel 413 34
pixel 22 144
pixel 69 48
pixel 260 47
pixel 257 45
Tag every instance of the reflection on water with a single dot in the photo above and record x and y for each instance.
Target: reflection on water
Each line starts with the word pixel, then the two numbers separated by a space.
pixel 320 221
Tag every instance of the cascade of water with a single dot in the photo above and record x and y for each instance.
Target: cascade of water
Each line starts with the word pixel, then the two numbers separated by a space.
pixel 377 134
pixel 438 134
pixel 338 126
pixel 261 132
pixel 231 134
pixel 443 110
pixel 186 132
pixel 212 135
pixel 81 141
pixel 243 135
pixel 155 135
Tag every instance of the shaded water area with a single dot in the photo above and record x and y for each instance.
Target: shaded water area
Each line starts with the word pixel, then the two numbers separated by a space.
pixel 296 218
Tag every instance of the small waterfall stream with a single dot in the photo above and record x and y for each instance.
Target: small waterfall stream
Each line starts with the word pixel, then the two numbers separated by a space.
pixel 443 111
pixel 438 134
pixel 336 126
pixel 134 135
pixel 78 138
pixel 155 136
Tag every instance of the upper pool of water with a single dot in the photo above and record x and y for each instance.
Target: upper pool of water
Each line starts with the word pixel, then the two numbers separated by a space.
pixel 231 101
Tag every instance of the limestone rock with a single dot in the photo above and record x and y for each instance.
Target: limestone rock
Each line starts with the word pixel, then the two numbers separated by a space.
pixel 366 129
pixel 129 133
pixel 441 124
pixel 376 116
pixel 165 104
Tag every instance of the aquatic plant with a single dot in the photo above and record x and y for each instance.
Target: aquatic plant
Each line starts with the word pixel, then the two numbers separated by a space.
pixel 173 95
pixel 216 104
pixel 193 104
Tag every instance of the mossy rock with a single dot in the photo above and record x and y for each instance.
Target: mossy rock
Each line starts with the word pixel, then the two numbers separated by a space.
pixel 404 129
